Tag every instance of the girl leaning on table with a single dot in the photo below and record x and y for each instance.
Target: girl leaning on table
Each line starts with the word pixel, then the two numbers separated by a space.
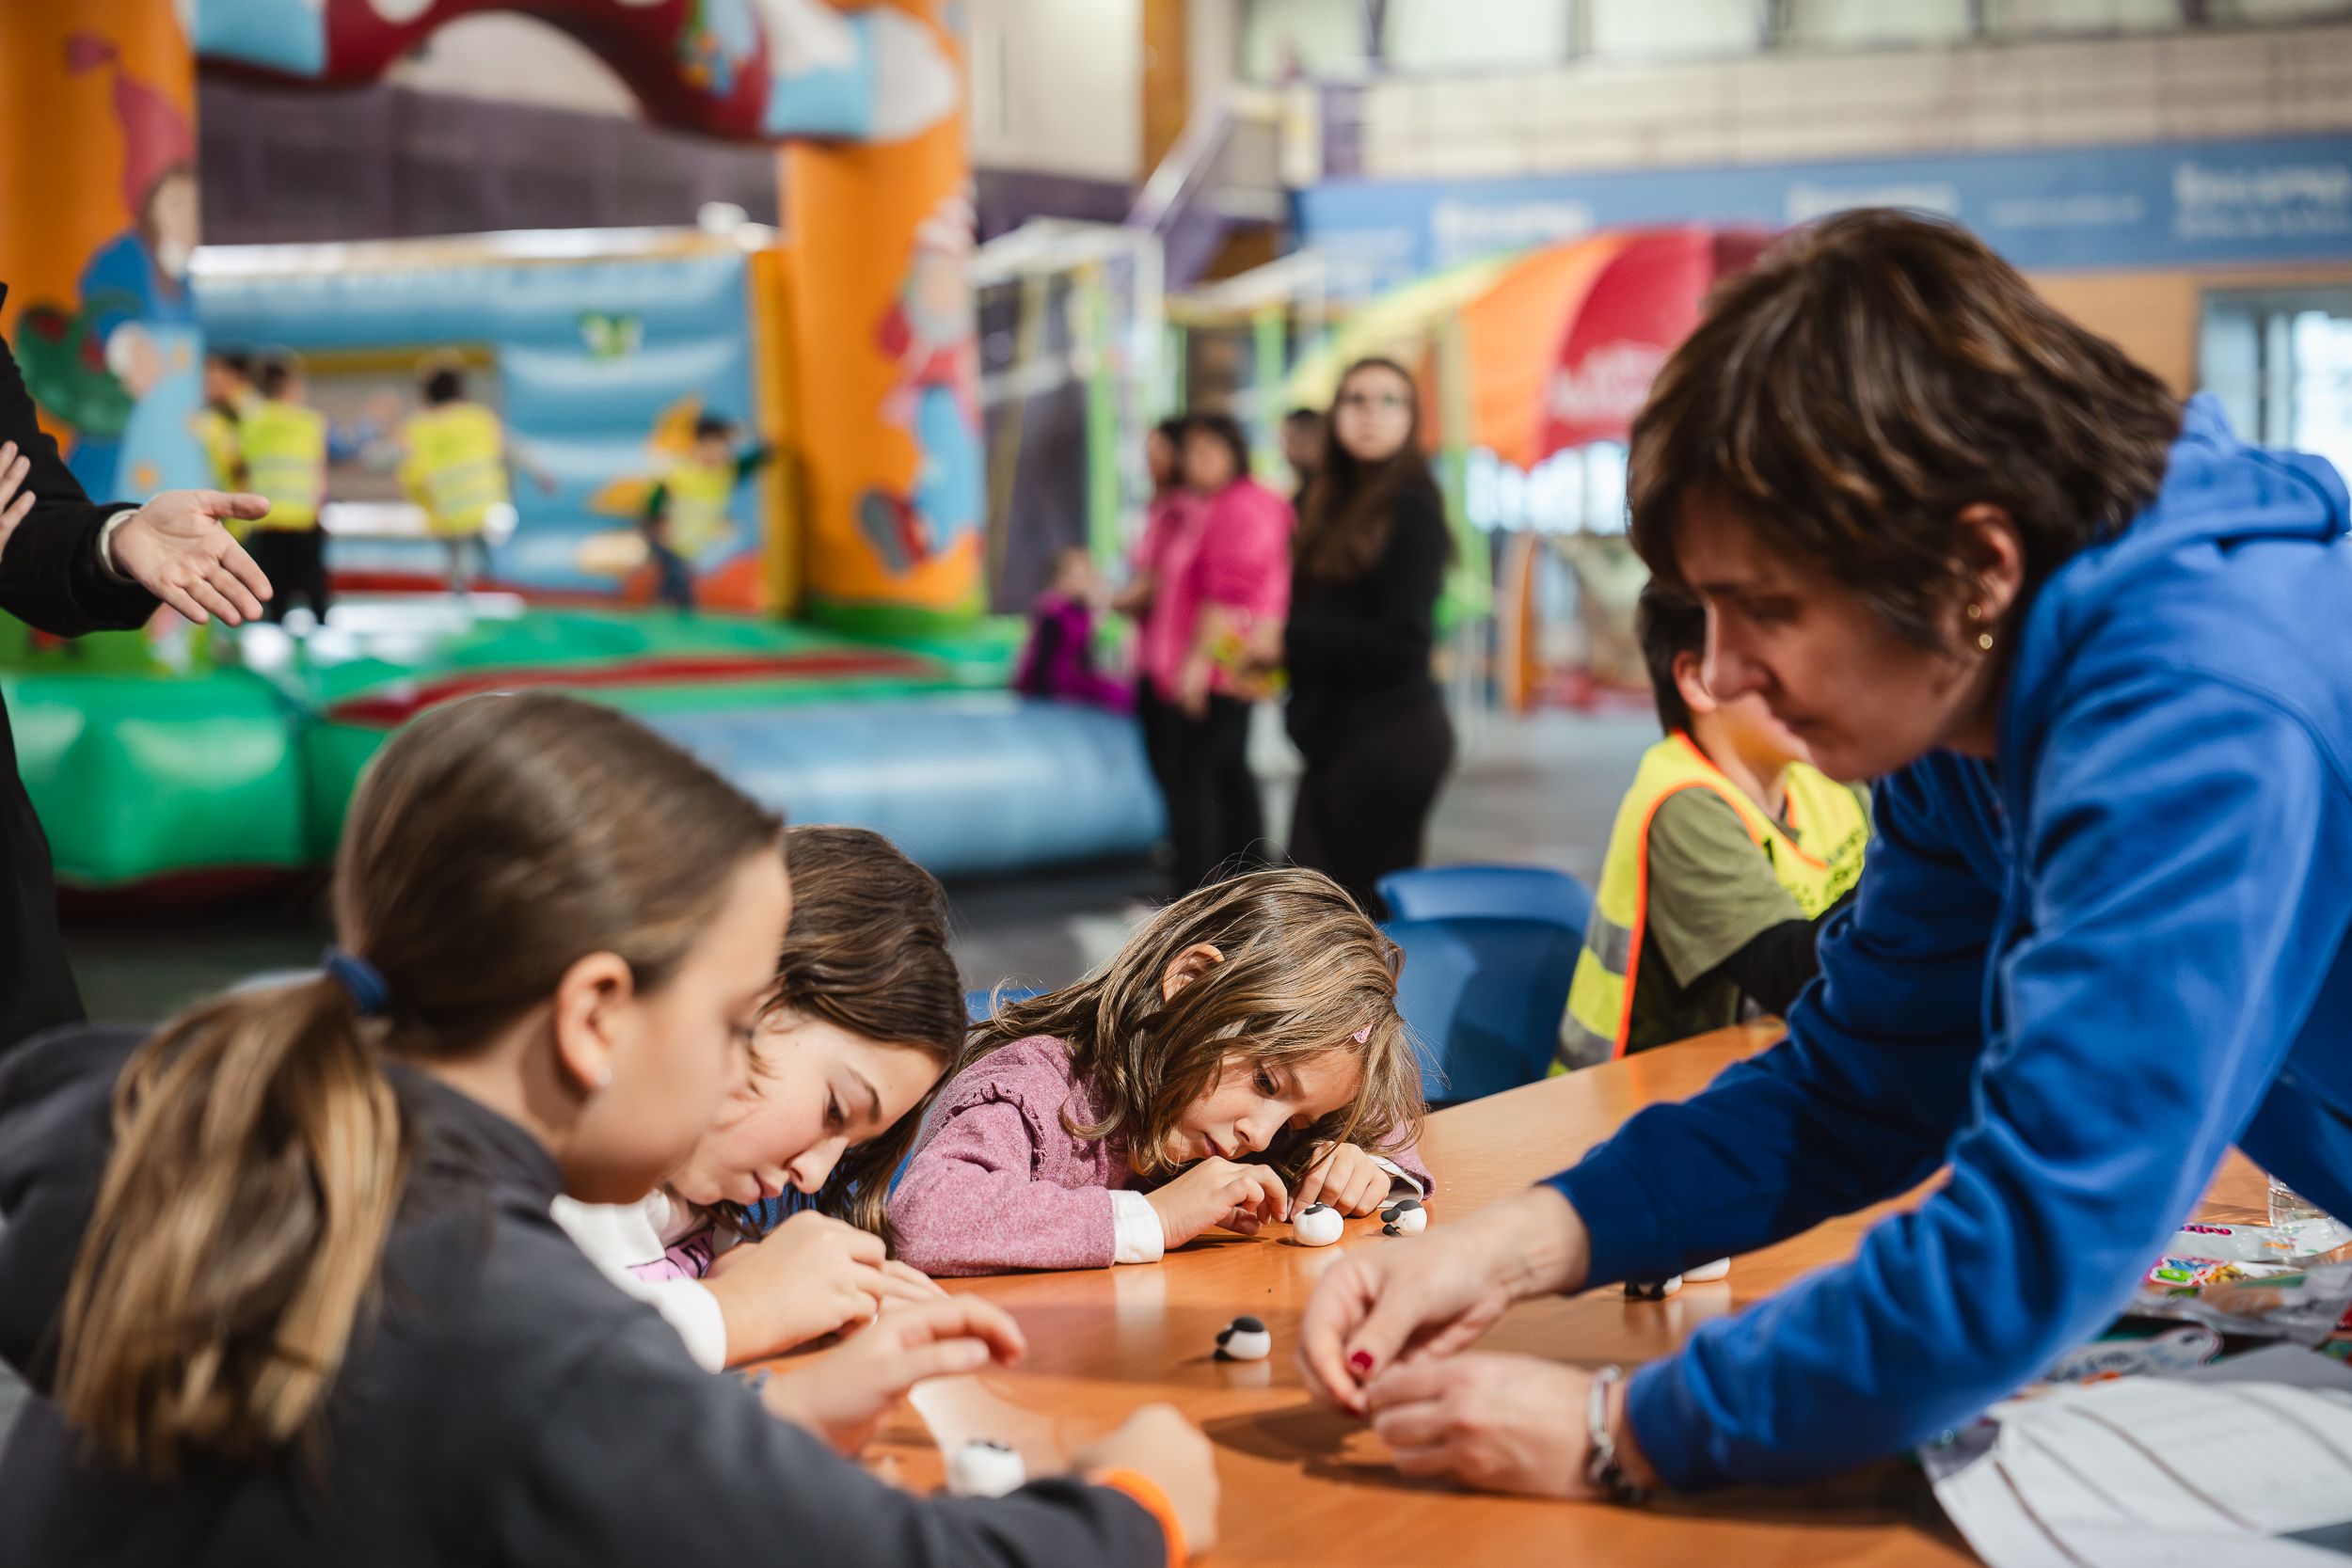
pixel 1239 1059
pixel 865 1014
pixel 283 1275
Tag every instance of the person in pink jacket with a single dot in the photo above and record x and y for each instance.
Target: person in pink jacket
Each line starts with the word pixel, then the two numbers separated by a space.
pixel 1240 1059
pixel 1172 524
pixel 1219 583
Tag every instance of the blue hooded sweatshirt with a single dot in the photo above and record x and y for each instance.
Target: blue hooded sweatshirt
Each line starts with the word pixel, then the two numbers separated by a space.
pixel 2077 975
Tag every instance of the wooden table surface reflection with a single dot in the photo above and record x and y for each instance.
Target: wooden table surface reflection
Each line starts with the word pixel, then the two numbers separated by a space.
pixel 1305 1486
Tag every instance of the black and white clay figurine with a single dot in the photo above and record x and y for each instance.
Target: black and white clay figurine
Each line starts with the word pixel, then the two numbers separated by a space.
pixel 1652 1290
pixel 1318 1224
pixel 984 1469
pixel 1405 1218
pixel 1706 1274
pixel 1245 1340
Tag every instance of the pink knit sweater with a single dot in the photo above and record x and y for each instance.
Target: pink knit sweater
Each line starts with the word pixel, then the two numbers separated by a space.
pixel 998 1182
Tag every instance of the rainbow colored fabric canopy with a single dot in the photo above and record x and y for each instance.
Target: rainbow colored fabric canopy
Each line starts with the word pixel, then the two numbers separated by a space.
pixel 1557 347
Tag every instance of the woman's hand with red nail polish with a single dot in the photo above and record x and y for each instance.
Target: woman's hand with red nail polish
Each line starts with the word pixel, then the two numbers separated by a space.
pixel 1436 1294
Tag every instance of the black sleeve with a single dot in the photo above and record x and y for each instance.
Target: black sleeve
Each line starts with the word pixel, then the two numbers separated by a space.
pixel 1389 639
pixel 56 1130
pixel 49 573
pixel 753 461
pixel 1775 964
pixel 635 1462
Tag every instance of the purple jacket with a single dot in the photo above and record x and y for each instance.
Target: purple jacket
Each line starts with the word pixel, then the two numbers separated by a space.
pixel 1058 662
pixel 998 1182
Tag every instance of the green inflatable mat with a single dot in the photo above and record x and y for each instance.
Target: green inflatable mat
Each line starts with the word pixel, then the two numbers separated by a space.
pixel 140 774
pixel 139 777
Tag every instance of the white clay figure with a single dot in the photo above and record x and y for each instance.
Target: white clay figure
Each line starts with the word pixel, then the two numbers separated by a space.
pixel 1405 1218
pixel 982 1468
pixel 1706 1274
pixel 1245 1340
pixel 1318 1224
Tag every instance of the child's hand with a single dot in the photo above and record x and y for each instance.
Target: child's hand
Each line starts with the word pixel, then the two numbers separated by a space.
pixel 1219 1193
pixel 1160 1444
pixel 1347 1177
pixel 811 1277
pixel 842 1394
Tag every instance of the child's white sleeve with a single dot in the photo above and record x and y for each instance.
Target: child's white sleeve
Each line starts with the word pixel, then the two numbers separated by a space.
pixel 689 1307
pixel 1140 1237
pixel 618 1238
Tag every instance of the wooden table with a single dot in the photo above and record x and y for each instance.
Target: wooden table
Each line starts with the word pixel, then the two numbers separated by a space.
pixel 1304 1486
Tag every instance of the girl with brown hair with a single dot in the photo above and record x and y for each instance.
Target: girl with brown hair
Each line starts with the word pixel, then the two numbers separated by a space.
pixel 867 1014
pixel 1367 566
pixel 1241 1057
pixel 284 1278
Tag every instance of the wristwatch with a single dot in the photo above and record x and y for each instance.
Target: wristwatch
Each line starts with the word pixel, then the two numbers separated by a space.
pixel 1604 1472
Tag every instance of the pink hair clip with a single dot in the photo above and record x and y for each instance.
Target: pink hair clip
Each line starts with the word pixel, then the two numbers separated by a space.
pixel 1364 1034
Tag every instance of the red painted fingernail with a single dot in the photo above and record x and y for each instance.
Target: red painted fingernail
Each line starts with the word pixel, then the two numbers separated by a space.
pixel 1360 1362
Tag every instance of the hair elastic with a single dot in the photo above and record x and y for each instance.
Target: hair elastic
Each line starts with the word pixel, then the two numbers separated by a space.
pixel 369 992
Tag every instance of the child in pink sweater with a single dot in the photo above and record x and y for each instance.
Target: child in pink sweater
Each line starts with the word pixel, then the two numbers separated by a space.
pixel 1241 1058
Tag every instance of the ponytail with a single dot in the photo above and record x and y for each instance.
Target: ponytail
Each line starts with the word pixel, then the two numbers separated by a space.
pixel 257 1164
pixel 258 1154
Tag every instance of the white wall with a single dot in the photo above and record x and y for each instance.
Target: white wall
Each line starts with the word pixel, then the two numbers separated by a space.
pixel 1212 48
pixel 1644 29
pixel 1446 35
pixel 1056 87
pixel 1320 38
pixel 1791 107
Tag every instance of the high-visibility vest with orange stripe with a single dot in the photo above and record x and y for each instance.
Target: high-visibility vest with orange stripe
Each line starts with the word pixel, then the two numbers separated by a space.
pixel 1816 865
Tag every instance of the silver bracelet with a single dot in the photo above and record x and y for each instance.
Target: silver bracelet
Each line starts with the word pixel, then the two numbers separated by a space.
pixel 1604 1472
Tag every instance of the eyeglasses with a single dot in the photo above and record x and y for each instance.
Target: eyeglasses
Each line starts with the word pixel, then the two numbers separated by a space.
pixel 1384 401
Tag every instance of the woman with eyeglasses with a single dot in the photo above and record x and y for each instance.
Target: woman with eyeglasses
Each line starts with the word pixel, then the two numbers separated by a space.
pixel 1366 568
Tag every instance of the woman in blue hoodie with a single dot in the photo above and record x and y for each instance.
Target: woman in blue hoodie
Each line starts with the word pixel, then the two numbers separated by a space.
pixel 2098 653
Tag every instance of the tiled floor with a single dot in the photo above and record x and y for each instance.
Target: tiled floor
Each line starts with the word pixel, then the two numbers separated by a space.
pixel 1540 790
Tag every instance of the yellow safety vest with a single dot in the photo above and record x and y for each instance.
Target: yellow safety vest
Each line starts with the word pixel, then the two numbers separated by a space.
pixel 696 504
pixel 285 460
pixel 455 466
pixel 1817 866
pixel 216 432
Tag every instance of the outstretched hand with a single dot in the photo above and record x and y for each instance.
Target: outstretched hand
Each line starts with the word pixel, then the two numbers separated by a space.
pixel 178 547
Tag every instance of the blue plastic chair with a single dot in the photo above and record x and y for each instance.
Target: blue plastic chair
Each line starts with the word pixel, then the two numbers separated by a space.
pixel 981 1005
pixel 1518 892
pixel 1484 996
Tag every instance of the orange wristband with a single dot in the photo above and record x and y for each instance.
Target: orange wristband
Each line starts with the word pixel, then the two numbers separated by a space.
pixel 1146 1491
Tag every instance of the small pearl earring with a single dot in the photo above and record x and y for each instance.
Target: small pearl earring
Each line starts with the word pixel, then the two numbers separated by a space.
pixel 604 1078
pixel 1984 637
